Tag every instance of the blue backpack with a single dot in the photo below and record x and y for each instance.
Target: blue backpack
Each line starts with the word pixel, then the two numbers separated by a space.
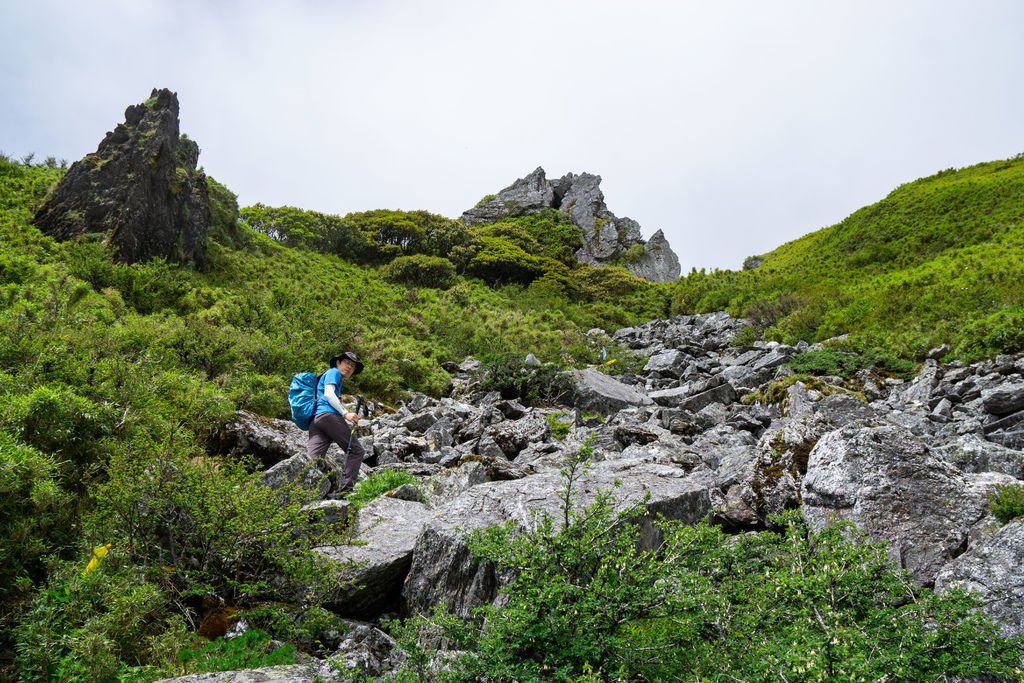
pixel 302 398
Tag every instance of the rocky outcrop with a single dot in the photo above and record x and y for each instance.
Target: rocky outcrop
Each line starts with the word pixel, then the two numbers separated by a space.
pixel 909 462
pixel 605 237
pixel 140 190
pixel 888 483
pixel 378 557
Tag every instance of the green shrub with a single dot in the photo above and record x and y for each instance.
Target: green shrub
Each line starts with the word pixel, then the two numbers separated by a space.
pixel 420 270
pixel 251 650
pixel 559 427
pixel 587 600
pixel 36 514
pixel 514 379
pixel 1007 502
pixel 213 526
pixel 90 627
pixel 379 483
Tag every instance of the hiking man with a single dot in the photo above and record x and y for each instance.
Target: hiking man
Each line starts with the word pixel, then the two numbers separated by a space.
pixel 333 421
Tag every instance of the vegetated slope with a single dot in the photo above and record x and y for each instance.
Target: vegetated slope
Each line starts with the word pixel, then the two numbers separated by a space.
pixel 263 310
pixel 939 260
pixel 111 370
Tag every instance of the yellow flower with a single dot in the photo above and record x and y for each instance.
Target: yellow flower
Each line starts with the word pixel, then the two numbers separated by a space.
pixel 98 553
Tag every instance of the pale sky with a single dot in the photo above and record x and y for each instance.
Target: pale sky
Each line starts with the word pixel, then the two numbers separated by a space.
pixel 734 126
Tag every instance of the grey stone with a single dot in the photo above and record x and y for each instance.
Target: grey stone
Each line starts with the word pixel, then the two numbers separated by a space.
pixel 994 570
pixel 597 392
pixel 888 483
pixel 973 454
pixel 368 651
pixel 1004 399
pixel 270 441
pixel 513 436
pixel 377 563
pixel 291 673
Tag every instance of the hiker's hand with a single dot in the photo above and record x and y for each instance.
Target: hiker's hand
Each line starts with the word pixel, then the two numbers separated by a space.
pixel 352 417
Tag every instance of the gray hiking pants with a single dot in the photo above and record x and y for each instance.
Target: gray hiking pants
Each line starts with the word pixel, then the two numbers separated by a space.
pixel 330 427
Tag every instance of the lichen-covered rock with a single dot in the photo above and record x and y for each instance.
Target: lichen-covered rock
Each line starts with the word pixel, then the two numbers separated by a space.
pixel 597 392
pixel 140 189
pixel 994 570
pixel 605 237
pixel 888 483
pixel 270 441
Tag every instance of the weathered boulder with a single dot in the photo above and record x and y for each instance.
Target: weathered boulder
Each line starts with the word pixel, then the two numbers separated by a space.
pixel 994 569
pixel 443 569
pixel 888 483
pixel 290 673
pixel 318 474
pixel 1004 399
pixel 387 529
pixel 974 454
pixel 365 650
pixel 140 189
pixel 512 436
pixel 598 392
pixel 270 441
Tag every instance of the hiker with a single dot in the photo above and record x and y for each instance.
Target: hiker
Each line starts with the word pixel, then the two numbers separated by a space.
pixel 333 421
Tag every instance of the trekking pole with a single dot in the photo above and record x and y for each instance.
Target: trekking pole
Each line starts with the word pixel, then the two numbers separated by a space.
pixel 352 430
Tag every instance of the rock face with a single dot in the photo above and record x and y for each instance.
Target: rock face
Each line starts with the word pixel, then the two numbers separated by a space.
pixel 605 236
pixel 140 190
pixel 444 571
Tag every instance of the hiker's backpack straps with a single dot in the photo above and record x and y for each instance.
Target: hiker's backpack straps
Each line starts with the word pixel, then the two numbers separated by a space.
pixel 302 398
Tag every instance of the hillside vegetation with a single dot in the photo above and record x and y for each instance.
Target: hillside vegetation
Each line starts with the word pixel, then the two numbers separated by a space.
pixel 126 538
pixel 115 380
pixel 938 261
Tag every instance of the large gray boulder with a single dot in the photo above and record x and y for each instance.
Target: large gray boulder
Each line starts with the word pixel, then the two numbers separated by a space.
pixel 888 483
pixel 600 393
pixel 291 673
pixel 443 570
pixel 270 441
pixel 994 569
pixel 379 557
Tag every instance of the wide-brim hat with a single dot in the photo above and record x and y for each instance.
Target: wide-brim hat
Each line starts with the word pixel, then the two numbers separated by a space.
pixel 347 355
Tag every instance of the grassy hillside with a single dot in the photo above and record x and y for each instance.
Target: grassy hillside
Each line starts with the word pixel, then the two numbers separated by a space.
pixel 939 260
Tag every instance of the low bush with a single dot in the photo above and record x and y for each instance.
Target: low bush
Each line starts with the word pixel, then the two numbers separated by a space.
pixel 588 601
pixel 513 378
pixel 1007 502
pixel 420 270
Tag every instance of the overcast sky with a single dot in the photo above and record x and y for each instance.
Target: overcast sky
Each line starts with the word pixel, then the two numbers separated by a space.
pixel 733 126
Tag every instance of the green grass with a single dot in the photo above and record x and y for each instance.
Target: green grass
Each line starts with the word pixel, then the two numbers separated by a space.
pixel 939 260
pixel 377 484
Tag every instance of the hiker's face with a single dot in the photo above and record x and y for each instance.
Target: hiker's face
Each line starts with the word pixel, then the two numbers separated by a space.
pixel 346 368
